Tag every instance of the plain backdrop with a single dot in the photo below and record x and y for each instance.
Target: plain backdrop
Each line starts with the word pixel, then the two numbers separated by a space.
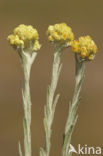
pixel 85 18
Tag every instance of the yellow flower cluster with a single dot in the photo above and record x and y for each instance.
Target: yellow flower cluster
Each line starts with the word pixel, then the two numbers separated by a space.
pixel 85 47
pixel 60 33
pixel 23 36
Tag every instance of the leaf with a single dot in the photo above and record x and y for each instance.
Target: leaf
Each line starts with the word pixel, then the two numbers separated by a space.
pixel 20 152
pixel 55 102
pixel 42 152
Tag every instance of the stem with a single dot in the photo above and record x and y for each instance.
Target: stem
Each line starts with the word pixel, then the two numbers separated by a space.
pixel 27 111
pixel 72 115
pixel 49 109
pixel 27 61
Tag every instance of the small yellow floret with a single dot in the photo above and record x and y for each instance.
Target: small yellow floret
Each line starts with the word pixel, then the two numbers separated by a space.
pixel 26 32
pixel 14 40
pixel 60 33
pixel 85 47
pixel 25 36
pixel 36 46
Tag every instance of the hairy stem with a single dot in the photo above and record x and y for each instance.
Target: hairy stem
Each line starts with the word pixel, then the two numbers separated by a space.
pixel 72 114
pixel 27 61
pixel 49 109
pixel 27 112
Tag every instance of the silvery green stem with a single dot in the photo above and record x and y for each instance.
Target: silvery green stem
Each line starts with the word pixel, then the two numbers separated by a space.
pixel 27 60
pixel 50 106
pixel 72 114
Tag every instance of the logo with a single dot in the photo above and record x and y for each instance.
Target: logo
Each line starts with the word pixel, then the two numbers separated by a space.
pixel 85 150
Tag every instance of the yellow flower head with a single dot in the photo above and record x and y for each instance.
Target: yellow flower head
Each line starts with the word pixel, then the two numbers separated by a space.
pixel 25 37
pixel 85 47
pixel 60 33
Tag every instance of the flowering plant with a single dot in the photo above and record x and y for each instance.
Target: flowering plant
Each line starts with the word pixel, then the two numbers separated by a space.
pixel 25 40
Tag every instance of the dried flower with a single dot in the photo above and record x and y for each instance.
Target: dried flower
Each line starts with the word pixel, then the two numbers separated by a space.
pixel 85 47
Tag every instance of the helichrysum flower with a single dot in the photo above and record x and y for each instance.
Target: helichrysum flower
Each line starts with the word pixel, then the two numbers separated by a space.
pixel 25 37
pixel 26 41
pixel 85 47
pixel 60 33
